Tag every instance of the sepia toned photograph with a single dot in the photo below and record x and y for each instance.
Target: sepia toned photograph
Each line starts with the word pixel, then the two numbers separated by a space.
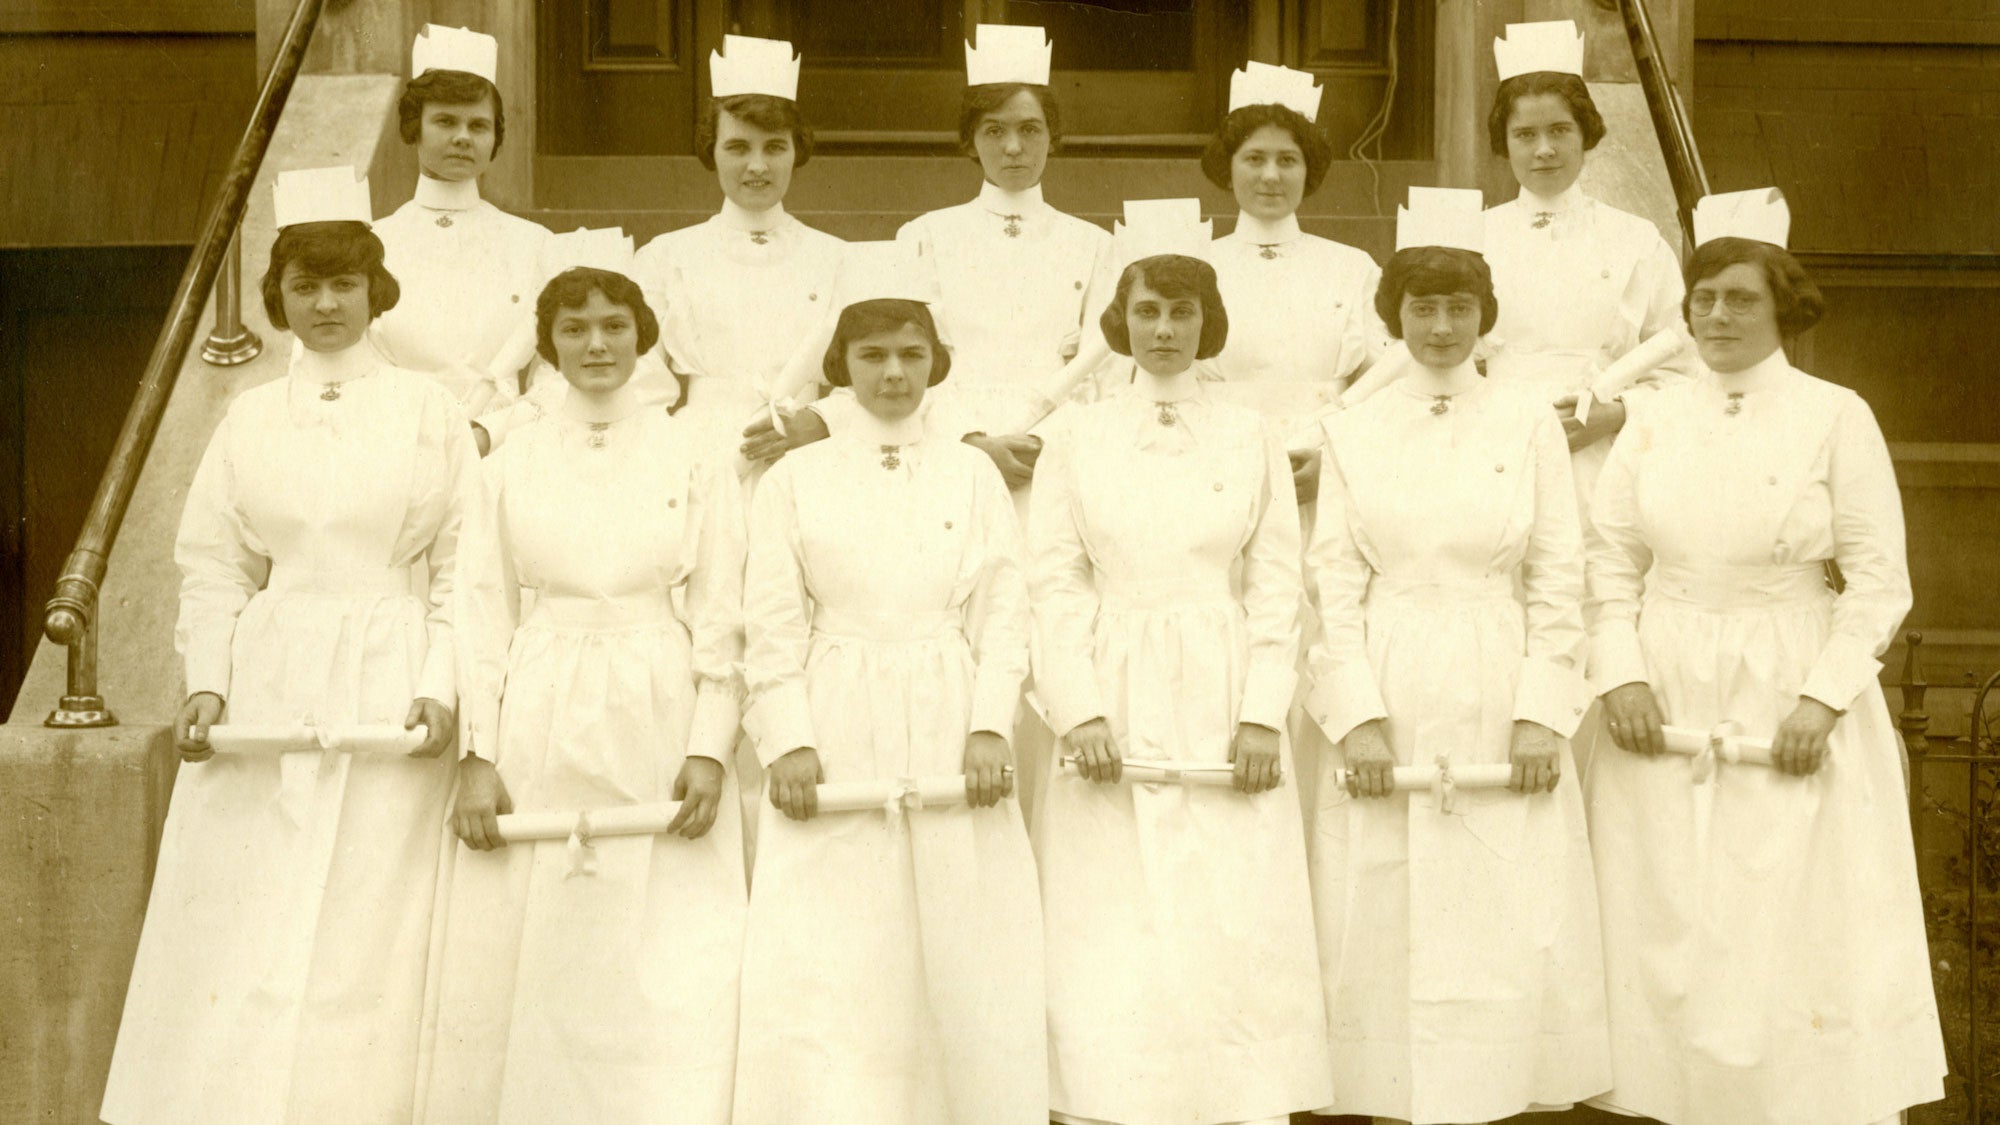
pixel 999 562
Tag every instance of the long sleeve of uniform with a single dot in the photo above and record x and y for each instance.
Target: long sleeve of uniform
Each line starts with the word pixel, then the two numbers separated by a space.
pixel 1552 691
pixel 777 623
pixel 1344 693
pixel 1868 545
pixel 715 612
pixel 1618 559
pixel 221 568
pixel 998 610
pixel 490 600
pixel 444 426
pixel 1063 584
pixel 1272 590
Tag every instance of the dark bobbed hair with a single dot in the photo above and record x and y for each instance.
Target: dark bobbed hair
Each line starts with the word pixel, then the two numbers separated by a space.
pixel 978 101
pixel 866 318
pixel 1241 123
pixel 328 250
pixel 571 289
pixel 1570 88
pixel 1798 298
pixel 765 111
pixel 1434 271
pixel 1172 276
pixel 447 87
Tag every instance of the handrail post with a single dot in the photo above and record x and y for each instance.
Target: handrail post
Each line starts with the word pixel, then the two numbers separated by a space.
pixel 82 706
pixel 232 342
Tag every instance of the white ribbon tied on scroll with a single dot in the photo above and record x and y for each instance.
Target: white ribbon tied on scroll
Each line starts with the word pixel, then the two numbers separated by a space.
pixel 1725 743
pixel 1442 780
pixel 274 738
pixel 894 796
pixel 1661 347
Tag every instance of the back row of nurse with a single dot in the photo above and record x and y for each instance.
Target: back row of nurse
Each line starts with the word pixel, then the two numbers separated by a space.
pixel 1458 955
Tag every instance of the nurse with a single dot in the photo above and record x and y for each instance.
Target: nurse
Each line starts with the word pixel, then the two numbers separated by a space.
pixel 892 970
pixel 1458 944
pixel 1165 576
pixel 1302 312
pixel 1580 283
pixel 605 623
pixel 280 974
pixel 469 270
pixel 1763 932
pixel 741 293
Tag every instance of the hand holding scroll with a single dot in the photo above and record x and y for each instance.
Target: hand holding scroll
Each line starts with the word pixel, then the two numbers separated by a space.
pixel 1537 758
pixel 763 442
pixel 794 780
pixel 482 797
pixel 1635 719
pixel 1800 744
pixel 1601 423
pixel 1013 454
pixel 1097 755
pixel 1371 765
pixel 989 769
pixel 1255 755
pixel 699 790
pixel 438 723
pixel 200 712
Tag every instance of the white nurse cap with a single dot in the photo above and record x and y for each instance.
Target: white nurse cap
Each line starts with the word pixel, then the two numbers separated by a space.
pixel 1263 84
pixel 1759 214
pixel 889 270
pixel 1007 54
pixel 608 248
pixel 321 195
pixel 749 65
pixel 1453 218
pixel 1161 226
pixel 438 47
pixel 1551 45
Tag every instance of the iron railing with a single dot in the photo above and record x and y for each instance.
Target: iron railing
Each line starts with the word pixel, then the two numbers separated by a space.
pixel 72 616
pixel 1669 113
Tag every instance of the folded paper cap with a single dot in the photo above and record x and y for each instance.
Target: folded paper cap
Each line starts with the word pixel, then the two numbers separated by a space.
pixel 321 195
pixel 1449 217
pixel 1161 226
pixel 1007 54
pixel 748 65
pixel 1759 214
pixel 438 47
pixel 608 248
pixel 1263 84
pixel 890 270
pixel 1552 45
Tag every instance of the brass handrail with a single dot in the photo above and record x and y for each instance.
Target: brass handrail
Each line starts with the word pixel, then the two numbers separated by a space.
pixel 71 617
pixel 1669 113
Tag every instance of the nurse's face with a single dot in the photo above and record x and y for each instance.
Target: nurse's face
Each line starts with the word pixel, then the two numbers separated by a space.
pixel 1013 143
pixel 1268 173
pixel 1544 144
pixel 754 165
pixel 890 371
pixel 456 142
pixel 1734 318
pixel 327 314
pixel 1441 328
pixel 1165 331
pixel 596 345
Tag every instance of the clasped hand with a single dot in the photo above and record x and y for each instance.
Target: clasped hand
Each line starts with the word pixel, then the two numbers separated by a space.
pixel 762 441
pixel 1013 454
pixel 1606 419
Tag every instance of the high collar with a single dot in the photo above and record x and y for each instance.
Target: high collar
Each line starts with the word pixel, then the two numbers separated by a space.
pixel 1262 232
pixel 1758 376
pixel 1571 198
pixel 447 195
pixel 600 409
pixel 1000 201
pixel 321 368
pixel 870 430
pixel 752 222
pixel 1170 388
pixel 1429 383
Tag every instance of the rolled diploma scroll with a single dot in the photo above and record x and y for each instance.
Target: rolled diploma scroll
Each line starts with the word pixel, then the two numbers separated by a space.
pixel 1627 369
pixel 1392 365
pixel 1443 779
pixel 273 738
pixel 1723 742
pixel 1156 771
pixel 652 818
